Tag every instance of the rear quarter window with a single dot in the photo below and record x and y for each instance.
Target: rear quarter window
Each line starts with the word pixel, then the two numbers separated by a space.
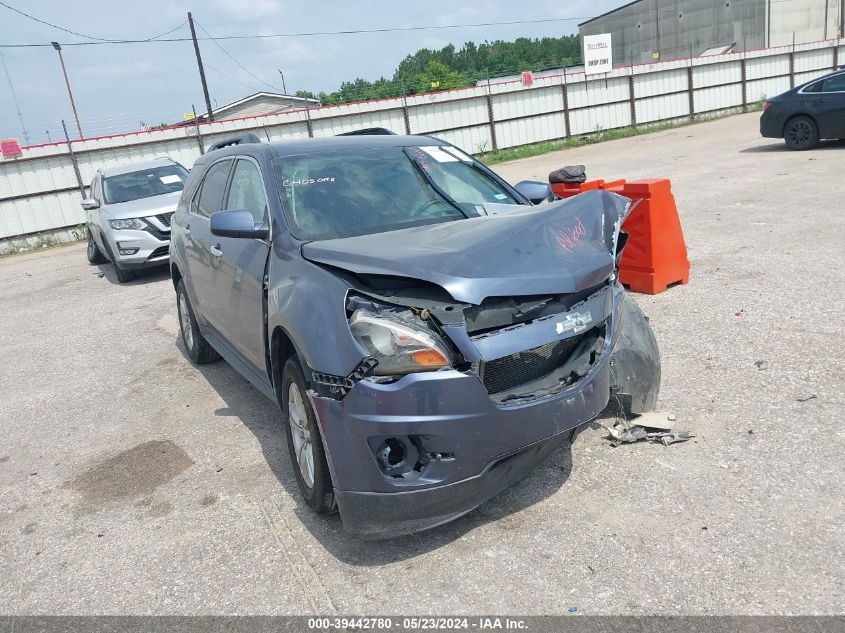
pixel 834 84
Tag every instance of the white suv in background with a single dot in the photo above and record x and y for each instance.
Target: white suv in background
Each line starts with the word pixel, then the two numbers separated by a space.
pixel 128 211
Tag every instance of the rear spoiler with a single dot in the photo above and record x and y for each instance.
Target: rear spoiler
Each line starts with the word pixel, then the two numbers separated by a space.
pixel 235 140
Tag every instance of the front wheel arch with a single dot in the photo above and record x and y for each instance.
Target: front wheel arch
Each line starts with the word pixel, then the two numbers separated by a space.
pixel 282 348
pixel 795 116
pixel 175 275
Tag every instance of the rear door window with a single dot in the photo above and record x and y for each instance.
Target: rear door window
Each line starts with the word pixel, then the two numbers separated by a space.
pixel 210 199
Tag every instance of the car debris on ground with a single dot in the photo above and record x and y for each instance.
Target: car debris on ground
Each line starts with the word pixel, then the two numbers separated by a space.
pixel 650 427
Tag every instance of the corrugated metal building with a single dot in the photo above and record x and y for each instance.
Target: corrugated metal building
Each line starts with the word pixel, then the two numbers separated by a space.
pixel 809 20
pixel 648 30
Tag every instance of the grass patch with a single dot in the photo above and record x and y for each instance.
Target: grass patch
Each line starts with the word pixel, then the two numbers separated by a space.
pixel 45 239
pixel 537 149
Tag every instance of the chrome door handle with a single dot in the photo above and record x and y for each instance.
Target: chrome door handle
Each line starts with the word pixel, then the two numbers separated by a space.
pixel 187 229
pixel 216 250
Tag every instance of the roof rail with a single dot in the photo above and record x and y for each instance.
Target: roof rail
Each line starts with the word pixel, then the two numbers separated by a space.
pixel 235 140
pixel 370 131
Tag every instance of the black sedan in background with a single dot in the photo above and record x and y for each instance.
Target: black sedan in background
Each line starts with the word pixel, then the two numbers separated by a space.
pixel 807 113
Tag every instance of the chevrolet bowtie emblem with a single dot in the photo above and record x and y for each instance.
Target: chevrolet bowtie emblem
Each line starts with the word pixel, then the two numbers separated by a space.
pixel 574 322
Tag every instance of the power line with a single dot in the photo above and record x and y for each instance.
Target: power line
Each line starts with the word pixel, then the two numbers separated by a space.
pixel 161 38
pixel 220 72
pixel 14 98
pixel 304 34
pixel 244 68
pixel 55 26
pixel 156 38
pixel 97 40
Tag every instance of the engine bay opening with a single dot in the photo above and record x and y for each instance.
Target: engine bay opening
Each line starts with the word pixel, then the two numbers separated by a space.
pixel 542 371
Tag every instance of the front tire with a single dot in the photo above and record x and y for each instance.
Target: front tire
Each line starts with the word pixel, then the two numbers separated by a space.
pixel 198 348
pixel 801 133
pixel 305 446
pixel 93 251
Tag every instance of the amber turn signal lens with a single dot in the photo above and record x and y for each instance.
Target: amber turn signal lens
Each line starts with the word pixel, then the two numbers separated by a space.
pixel 429 358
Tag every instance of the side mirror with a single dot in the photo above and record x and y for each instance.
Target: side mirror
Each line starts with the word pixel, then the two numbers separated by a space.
pixel 534 190
pixel 237 224
pixel 90 203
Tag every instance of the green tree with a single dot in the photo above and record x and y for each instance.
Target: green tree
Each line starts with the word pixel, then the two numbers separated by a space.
pixel 438 76
pixel 453 68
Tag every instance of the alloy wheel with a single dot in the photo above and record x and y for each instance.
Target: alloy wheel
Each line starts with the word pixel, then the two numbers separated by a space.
pixel 302 443
pixel 800 133
pixel 185 322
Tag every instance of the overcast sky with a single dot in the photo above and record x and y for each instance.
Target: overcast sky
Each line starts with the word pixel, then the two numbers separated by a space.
pixel 118 86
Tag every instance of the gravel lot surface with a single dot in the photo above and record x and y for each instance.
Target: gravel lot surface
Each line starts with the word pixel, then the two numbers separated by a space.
pixel 133 482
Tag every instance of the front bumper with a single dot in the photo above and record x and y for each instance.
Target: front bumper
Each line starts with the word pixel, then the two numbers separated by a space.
pixel 153 248
pixel 374 515
pixel 485 447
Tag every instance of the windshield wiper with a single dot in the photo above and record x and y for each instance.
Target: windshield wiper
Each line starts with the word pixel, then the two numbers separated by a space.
pixel 433 184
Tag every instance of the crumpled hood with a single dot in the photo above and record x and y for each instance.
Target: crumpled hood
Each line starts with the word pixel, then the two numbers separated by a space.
pixel 555 248
pixel 154 205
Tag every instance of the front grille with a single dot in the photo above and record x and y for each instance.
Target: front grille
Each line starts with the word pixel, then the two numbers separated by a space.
pixel 161 251
pixel 163 236
pixel 517 369
pixel 164 218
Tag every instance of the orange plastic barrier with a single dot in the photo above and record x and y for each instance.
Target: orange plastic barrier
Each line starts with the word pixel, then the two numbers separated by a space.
pixel 656 255
pixel 569 189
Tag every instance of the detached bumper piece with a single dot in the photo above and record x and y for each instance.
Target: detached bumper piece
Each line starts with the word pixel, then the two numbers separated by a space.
pixel 345 383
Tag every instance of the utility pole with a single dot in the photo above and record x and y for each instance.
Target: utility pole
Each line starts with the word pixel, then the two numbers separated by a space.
pixel 74 162
pixel 284 87
pixel 199 65
pixel 197 129
pixel 58 48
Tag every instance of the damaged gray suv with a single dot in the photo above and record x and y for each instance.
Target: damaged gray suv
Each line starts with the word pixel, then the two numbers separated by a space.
pixel 429 332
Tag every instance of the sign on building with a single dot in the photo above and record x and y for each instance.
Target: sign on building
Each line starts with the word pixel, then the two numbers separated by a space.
pixel 10 148
pixel 598 54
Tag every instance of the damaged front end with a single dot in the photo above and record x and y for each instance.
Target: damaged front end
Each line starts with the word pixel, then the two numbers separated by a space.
pixel 481 348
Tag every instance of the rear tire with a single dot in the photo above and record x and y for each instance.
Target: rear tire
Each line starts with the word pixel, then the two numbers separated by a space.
pixel 801 133
pixel 198 348
pixel 124 276
pixel 93 252
pixel 305 446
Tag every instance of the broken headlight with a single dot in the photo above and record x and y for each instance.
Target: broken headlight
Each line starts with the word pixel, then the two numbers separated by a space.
pixel 401 343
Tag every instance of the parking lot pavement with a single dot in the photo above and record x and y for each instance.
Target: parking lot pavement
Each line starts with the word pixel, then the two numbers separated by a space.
pixel 133 482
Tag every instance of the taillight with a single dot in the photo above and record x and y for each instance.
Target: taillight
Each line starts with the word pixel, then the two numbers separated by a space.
pixel 767 105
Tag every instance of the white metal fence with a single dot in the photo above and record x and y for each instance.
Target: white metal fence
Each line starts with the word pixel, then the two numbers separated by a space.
pixel 40 191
